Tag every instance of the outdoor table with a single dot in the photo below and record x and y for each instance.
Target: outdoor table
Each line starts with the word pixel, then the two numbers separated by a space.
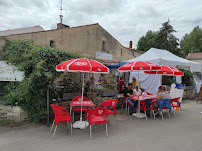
pixel 139 99
pixel 80 103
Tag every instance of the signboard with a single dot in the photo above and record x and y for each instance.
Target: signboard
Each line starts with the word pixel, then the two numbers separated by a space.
pixel 177 90
pixel 105 56
pixel 9 72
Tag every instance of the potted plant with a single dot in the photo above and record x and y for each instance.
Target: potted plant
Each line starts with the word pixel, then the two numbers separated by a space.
pixel 109 90
pixel 90 93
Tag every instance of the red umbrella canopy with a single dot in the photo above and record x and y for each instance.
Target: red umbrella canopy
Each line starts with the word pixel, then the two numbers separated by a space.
pixel 166 70
pixel 82 65
pixel 139 66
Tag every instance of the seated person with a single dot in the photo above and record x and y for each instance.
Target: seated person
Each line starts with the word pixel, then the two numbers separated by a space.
pixel 134 82
pixel 162 95
pixel 100 79
pixel 128 92
pixel 137 91
pixel 121 84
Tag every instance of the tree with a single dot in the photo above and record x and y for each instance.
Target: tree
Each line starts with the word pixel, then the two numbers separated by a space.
pixel 148 41
pixel 166 40
pixel 192 41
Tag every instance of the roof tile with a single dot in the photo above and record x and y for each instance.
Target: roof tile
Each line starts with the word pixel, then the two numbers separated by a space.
pixel 197 55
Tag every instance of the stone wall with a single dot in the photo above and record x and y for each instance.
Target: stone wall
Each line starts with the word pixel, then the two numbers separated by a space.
pixel 15 113
pixel 189 94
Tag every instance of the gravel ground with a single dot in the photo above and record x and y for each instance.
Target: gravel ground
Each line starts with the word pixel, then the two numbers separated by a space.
pixel 183 133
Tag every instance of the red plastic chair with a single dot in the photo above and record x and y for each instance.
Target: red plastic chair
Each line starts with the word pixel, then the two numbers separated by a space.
pixel 124 103
pixel 95 116
pixel 112 104
pixel 142 106
pixel 78 109
pixel 61 115
pixel 161 112
pixel 175 103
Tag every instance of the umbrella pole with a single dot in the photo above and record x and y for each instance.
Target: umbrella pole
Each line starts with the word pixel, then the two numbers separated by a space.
pixel 93 87
pixel 82 97
pixel 48 110
pixel 138 78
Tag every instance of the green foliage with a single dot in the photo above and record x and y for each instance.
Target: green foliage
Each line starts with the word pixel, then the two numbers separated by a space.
pixel 166 40
pixel 167 80
pixel 188 78
pixel 163 39
pixel 39 64
pixel 71 83
pixel 109 86
pixel 148 41
pixel 192 41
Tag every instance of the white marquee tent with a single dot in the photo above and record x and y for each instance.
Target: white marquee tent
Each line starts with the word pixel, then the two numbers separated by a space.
pixel 160 57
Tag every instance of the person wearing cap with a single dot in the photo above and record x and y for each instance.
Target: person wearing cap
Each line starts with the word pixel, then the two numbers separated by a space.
pixel 134 82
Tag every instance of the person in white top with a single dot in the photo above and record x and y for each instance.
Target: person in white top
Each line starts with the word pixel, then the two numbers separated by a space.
pixel 137 91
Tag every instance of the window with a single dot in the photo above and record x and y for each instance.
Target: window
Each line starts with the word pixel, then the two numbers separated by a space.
pixel 103 45
pixel 121 51
pixel 51 43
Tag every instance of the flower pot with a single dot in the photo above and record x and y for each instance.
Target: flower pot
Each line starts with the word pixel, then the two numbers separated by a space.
pixel 70 96
pixel 90 95
pixel 108 92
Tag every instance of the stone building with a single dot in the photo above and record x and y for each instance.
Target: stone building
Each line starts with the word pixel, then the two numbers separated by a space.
pixel 21 30
pixel 90 40
pixel 195 56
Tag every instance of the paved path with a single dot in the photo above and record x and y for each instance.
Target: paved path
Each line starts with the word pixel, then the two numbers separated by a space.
pixel 183 133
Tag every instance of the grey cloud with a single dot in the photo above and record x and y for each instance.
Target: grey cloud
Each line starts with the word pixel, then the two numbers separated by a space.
pixel 125 19
pixel 93 7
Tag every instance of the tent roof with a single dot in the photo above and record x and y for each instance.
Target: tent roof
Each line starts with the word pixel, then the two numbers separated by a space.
pixel 164 57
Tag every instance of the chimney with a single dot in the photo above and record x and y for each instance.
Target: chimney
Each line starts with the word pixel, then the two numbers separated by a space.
pixel 130 45
pixel 61 26
pixel 191 51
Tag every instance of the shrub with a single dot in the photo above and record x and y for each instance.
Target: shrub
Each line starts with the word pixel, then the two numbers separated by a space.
pixel 188 78
pixel 38 64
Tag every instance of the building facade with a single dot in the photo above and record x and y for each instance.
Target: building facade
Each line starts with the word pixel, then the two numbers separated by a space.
pixel 195 56
pixel 89 40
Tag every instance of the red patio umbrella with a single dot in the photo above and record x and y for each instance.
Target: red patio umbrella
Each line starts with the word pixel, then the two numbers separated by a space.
pixel 166 70
pixel 138 66
pixel 82 65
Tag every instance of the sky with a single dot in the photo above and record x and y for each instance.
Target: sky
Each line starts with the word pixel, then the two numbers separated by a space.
pixel 126 20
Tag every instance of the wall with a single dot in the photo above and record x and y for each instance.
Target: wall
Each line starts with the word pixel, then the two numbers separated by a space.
pixel 85 40
pixel 15 113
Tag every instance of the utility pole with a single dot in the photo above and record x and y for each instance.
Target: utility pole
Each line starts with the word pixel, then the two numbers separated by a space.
pixel 61 14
